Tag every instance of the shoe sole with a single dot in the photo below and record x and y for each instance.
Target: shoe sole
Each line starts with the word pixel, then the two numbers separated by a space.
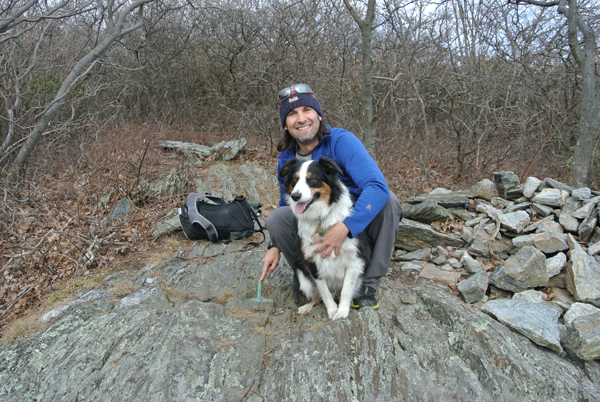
pixel 356 306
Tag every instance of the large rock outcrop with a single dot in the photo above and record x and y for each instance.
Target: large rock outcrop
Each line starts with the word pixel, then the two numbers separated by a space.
pixel 189 332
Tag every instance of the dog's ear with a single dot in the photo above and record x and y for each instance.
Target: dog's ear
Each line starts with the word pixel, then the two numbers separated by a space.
pixel 288 167
pixel 330 166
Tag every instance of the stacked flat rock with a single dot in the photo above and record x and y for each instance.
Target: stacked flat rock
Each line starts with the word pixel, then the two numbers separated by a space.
pixel 540 237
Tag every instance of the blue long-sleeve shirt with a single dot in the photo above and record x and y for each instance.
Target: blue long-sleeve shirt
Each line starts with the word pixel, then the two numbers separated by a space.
pixel 361 175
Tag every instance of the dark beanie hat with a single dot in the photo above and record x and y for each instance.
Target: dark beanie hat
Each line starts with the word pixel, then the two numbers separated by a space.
pixel 296 100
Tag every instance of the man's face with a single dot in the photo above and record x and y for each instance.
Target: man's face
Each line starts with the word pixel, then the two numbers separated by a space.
pixel 303 124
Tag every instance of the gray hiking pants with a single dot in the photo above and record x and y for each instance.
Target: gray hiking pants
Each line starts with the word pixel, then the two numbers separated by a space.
pixel 381 233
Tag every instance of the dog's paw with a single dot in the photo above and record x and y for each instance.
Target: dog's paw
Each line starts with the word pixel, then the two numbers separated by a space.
pixel 341 313
pixel 332 313
pixel 307 308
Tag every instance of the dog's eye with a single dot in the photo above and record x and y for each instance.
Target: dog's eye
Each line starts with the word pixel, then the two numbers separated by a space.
pixel 312 180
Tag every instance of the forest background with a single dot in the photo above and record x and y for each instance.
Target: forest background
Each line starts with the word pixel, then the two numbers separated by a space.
pixel 443 93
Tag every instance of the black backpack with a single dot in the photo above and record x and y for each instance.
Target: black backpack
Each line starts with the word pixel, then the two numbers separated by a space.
pixel 218 219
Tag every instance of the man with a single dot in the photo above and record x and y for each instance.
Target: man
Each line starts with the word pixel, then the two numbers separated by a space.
pixel 376 211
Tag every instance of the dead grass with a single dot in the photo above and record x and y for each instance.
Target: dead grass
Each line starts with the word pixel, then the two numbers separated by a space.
pixel 24 327
pixel 241 314
pixel 224 343
pixel 172 292
pixel 258 330
pixel 317 326
pixel 122 288
pixel 224 298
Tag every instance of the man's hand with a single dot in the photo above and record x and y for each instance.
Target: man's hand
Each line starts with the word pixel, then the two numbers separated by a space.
pixel 331 241
pixel 270 261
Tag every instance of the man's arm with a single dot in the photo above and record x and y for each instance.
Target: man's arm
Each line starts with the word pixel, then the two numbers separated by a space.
pixel 352 156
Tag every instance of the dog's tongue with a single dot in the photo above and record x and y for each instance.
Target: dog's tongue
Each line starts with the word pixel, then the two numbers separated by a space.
pixel 300 207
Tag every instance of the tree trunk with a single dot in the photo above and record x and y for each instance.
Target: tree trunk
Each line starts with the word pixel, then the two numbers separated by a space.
pixel 589 131
pixel 366 31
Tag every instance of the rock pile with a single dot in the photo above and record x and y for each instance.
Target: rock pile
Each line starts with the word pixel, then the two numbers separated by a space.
pixel 525 254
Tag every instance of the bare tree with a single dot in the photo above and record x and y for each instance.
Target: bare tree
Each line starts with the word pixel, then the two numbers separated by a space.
pixel 585 54
pixel 116 22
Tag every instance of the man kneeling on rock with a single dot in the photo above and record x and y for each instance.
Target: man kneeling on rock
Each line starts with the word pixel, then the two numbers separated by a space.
pixel 376 210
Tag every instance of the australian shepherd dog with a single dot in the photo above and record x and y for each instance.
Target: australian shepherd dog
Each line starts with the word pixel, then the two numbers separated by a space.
pixel 319 201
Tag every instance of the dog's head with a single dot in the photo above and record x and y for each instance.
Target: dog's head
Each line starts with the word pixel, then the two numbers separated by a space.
pixel 311 182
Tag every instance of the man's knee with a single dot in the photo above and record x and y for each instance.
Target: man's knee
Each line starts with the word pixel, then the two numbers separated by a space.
pixel 390 215
pixel 281 222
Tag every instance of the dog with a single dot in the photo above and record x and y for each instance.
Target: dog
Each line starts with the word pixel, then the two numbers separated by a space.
pixel 320 200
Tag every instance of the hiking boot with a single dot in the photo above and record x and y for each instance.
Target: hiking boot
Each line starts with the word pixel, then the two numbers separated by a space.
pixel 365 298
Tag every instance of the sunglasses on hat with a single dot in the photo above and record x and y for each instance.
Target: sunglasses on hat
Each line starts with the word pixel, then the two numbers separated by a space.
pixel 298 88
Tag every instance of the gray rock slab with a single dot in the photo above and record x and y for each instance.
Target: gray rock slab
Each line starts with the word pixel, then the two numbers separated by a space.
pixel 583 335
pixel 500 203
pixel 515 221
pixel 466 234
pixel 566 218
pixel 532 227
pixel 440 190
pixel 531 186
pixel 555 265
pixel 536 321
pixel 414 236
pixel 454 263
pixel 415 255
pixel 229 180
pixel 185 147
pixel 411 266
pixel 543 210
pixel 587 227
pixel 585 211
pixel 548 182
pixel 427 212
pixel 550 227
pixel 579 310
pixel 530 296
pixel 471 264
pixel 546 242
pixel 551 197
pixel 123 207
pixel 582 194
pixel 228 150
pixel 507 184
pixel 439 274
pixel 483 245
pixel 473 289
pixel 167 226
pixel 473 222
pixel 583 273
pixel 200 338
pixel 522 206
pixel 484 189
pixel 462 214
pixel 522 271
pixel 594 249
pixel 446 200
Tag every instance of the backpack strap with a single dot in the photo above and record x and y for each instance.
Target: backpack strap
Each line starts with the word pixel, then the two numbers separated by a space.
pixel 244 202
pixel 196 217
pixel 213 198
